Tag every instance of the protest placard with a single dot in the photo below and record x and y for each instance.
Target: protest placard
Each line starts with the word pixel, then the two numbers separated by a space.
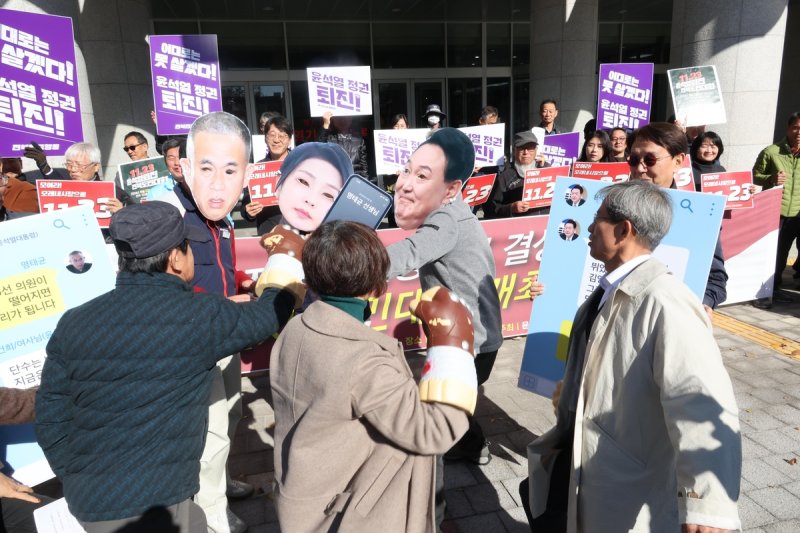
pixel 571 274
pixel 42 278
pixel 684 177
pixel 264 182
pixel 517 248
pixel 489 141
pixel 61 194
pixel 477 189
pixel 394 147
pixel 562 149
pixel 342 90
pixel 624 95
pixel 607 172
pixel 39 99
pixel 186 84
pixel 539 185
pixel 138 177
pixel 697 95
pixel 735 186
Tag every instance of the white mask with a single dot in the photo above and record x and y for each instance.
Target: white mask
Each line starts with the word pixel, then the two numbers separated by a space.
pixel 433 120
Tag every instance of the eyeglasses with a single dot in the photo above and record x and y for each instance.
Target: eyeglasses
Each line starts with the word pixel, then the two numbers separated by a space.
pixel 528 148
pixel 278 137
pixel 618 139
pixel 649 160
pixel 132 147
pixel 71 165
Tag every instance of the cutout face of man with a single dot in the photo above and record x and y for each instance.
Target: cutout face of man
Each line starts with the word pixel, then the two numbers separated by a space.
pixel 215 172
pixel 78 261
pixel 421 187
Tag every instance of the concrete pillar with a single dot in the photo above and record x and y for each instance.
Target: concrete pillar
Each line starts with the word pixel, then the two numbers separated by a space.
pixel 564 60
pixel 788 102
pixel 744 39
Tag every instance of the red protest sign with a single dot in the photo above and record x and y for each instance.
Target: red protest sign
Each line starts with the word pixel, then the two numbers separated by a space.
pixel 539 184
pixel 610 172
pixel 477 189
pixel 264 181
pixel 734 185
pixel 684 178
pixel 61 194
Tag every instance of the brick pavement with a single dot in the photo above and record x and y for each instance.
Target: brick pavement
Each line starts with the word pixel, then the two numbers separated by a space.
pixel 484 499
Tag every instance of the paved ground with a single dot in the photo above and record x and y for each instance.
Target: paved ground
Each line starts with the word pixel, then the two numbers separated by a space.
pixel 766 379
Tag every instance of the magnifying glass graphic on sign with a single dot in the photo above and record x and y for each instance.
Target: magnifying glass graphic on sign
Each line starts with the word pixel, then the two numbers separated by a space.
pixel 59 223
pixel 687 204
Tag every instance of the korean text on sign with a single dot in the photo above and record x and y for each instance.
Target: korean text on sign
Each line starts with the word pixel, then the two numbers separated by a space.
pixel 735 186
pixel 624 95
pixel 340 90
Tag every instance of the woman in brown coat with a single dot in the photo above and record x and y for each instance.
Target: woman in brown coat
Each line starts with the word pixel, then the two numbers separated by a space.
pixel 354 443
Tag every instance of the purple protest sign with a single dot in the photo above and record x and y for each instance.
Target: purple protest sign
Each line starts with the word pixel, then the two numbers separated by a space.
pixel 39 100
pixel 624 95
pixel 561 149
pixel 185 72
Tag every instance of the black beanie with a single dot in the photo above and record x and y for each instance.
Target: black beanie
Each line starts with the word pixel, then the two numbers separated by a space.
pixel 458 150
pixel 332 153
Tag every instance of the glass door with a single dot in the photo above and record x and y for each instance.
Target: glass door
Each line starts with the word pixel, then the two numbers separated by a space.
pixel 392 100
pixel 426 93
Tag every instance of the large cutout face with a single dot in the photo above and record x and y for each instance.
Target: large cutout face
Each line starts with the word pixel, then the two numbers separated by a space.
pixel 306 195
pixel 421 188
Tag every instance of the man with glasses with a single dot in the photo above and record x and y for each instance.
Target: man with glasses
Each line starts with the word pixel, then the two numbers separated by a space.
pixel 505 200
pixel 619 144
pixel 83 164
pixel 135 146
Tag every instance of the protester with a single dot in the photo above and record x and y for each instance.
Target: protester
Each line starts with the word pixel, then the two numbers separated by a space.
pixel 597 148
pixel 311 177
pixel 449 248
pixel 619 145
pixel 779 164
pixel 505 200
pixel 336 130
pixel 83 164
pixel 706 150
pixel 121 412
pixel 657 153
pixel 278 135
pixel 215 171
pixel 136 146
pixel 647 430
pixel 434 117
pixel 17 501
pixel 548 111
pixel 174 150
pixel 399 122
pixel 489 115
pixel 357 400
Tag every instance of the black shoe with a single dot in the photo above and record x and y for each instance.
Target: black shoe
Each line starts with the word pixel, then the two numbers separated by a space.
pixel 478 457
pixel 781 298
pixel 762 303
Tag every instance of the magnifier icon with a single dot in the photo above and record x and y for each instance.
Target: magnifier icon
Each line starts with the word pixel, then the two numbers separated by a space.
pixel 687 204
pixel 59 223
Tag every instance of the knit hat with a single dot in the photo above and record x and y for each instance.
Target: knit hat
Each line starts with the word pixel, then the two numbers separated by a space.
pixel 148 229
pixel 458 150
pixel 332 153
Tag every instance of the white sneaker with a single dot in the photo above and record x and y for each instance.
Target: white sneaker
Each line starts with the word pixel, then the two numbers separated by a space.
pixel 225 523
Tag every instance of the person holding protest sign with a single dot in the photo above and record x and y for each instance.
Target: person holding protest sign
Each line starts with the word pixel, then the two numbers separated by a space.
pixel 278 135
pixel 657 153
pixel 355 436
pixel 434 117
pixel 122 407
pixel 706 150
pixel 399 122
pixel 336 130
pixel 505 200
pixel 597 148
pixel 489 115
pixel 174 150
pixel 449 249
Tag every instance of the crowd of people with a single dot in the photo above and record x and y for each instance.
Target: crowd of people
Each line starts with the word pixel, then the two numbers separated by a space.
pixel 137 421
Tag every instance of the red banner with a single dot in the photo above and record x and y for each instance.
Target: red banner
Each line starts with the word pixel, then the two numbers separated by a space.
pixel 684 178
pixel 539 184
pixel 517 248
pixel 733 185
pixel 611 172
pixel 477 189
pixel 264 182
pixel 61 194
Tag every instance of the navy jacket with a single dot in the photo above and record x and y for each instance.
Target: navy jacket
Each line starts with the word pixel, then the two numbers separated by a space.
pixel 122 410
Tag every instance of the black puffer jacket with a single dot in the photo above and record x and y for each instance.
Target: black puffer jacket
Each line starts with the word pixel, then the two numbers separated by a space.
pixel 353 145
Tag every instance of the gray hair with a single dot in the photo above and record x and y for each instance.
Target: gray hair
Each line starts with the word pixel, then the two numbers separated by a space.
pixel 91 151
pixel 219 123
pixel 645 205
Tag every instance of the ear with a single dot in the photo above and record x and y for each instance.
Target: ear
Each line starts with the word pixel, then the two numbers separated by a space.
pixel 175 262
pixel 625 230
pixel 186 167
pixel 678 160
pixel 453 188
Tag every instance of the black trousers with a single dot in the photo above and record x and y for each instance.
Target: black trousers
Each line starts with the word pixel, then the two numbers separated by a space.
pixel 788 233
pixel 554 518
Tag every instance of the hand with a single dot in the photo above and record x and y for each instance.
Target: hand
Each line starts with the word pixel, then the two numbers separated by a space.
pixel 780 178
pixel 9 488
pixel 248 285
pixel 709 311
pixel 253 208
pixel 519 207
pixel 240 298
pixel 284 268
pixel 445 318
pixel 541 160
pixel 694 528
pixel 326 119
pixel 752 189
pixel 153 117
pixel 536 288
pixel 680 125
pixel 557 395
pixel 113 205
pixel 35 152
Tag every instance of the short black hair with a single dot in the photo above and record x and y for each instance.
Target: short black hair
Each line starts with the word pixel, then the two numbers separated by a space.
pixel 174 142
pixel 141 139
pixel 281 123
pixel 397 118
pixel 707 135
pixel 344 258
pixel 570 221
pixel 668 136
pixel 148 265
pixel 794 117
pixel 548 101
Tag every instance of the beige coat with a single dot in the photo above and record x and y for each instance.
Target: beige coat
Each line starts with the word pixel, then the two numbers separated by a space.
pixel 354 446
pixel 656 439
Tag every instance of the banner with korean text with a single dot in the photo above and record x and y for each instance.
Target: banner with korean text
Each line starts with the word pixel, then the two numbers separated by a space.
pixel 394 147
pixel 561 149
pixel 697 95
pixel 39 100
pixel 61 194
pixel 489 141
pixel 477 189
pixel 45 278
pixel 539 185
pixel 138 177
pixel 344 91
pixel 186 81
pixel 517 248
pixel 264 182
pixel 624 95
pixel 608 172
pixel 736 186
pixel 571 274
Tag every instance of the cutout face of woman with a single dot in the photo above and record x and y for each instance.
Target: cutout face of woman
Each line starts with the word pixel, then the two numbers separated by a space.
pixel 306 195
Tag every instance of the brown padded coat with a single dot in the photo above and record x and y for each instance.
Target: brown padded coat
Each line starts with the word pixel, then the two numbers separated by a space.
pixel 17 406
pixel 354 445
